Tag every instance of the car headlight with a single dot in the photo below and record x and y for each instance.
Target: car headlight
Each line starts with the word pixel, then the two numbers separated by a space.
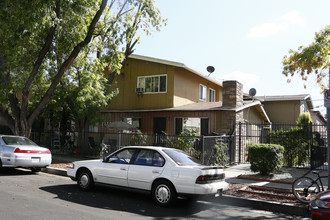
pixel 322 204
pixel 71 166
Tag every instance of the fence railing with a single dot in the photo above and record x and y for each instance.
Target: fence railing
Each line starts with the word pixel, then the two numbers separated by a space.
pixel 226 149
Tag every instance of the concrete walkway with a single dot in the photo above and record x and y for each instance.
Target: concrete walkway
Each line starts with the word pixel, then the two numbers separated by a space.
pixel 283 179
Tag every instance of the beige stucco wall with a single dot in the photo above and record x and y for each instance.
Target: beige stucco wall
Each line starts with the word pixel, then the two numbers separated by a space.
pixel 286 112
pixel 252 115
pixel 186 87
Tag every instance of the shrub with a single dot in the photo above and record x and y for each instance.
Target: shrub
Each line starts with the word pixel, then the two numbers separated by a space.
pixel 295 142
pixel 265 158
pixel 304 119
pixel 218 155
pixel 186 141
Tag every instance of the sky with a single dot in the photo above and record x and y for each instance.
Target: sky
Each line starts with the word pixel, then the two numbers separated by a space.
pixel 244 40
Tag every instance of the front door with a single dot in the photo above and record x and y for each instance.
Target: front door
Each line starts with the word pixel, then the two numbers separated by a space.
pixel 159 125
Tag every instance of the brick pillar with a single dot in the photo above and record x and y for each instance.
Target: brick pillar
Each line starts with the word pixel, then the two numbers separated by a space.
pixel 232 94
pixel 232 98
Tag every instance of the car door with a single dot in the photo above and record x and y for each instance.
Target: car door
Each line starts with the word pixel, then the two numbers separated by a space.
pixel 114 170
pixel 146 167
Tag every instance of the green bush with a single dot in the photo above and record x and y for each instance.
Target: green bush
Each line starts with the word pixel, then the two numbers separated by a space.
pixel 265 158
pixel 218 155
pixel 295 142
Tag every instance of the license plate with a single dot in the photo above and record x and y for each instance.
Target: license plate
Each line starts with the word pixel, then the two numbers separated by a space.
pixel 35 159
pixel 219 193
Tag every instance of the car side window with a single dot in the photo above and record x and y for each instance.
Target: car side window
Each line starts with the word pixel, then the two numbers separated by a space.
pixel 149 158
pixel 123 156
pixel 158 160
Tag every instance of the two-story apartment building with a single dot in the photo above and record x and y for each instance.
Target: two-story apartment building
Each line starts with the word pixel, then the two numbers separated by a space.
pixel 158 96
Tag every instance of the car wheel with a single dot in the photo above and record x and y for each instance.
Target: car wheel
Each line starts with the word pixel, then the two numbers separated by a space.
pixel 35 169
pixel 85 180
pixel 163 193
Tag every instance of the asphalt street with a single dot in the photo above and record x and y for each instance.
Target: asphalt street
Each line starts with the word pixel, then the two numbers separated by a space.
pixel 25 195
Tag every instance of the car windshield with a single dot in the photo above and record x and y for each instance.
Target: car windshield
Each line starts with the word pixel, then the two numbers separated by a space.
pixel 18 141
pixel 181 158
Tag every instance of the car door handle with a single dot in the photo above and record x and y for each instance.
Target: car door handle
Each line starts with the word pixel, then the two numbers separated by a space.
pixel 155 171
pixel 123 168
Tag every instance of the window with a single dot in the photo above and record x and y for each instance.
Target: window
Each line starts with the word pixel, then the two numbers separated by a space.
pixel 200 125
pixel 149 158
pixel 211 95
pixel 135 122
pixel 181 158
pixel 202 92
pixel 123 156
pixel 93 128
pixel 152 84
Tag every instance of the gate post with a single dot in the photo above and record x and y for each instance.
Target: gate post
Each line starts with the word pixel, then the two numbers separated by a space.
pixel 310 142
pixel 239 141
pixel 202 138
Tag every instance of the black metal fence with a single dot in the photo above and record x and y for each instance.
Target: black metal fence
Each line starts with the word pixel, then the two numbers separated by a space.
pixel 311 143
pixel 225 149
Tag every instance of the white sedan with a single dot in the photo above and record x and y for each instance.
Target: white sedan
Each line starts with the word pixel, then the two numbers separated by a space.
pixel 17 151
pixel 165 172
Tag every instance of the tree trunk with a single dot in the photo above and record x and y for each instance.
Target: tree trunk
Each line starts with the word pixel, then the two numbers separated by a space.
pixel 83 136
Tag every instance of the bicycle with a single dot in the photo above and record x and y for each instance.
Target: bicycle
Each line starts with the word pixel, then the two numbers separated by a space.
pixel 305 188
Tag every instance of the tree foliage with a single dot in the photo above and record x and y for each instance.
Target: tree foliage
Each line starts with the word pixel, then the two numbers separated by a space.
pixel 311 59
pixel 265 158
pixel 54 53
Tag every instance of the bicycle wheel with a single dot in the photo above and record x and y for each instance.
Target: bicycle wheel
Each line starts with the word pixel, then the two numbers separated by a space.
pixel 305 189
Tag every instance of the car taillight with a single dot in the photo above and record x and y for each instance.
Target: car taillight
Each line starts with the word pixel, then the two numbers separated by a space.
pixel 18 150
pixel 203 179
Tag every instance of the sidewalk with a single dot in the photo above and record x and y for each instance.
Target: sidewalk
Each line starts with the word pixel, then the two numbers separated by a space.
pixel 241 174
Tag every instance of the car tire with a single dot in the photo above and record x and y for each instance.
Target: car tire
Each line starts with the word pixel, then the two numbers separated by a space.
pixel 163 193
pixel 85 180
pixel 35 169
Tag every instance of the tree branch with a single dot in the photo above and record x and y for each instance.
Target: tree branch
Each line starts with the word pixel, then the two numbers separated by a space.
pixel 37 64
pixel 67 63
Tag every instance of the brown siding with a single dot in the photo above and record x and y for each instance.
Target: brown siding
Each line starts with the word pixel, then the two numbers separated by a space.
pixel 147 119
pixel 126 82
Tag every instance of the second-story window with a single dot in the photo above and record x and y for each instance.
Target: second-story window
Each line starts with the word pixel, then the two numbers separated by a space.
pixel 202 92
pixel 211 95
pixel 152 84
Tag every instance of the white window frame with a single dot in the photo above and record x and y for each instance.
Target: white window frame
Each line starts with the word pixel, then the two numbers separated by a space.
pixel 202 92
pixel 141 83
pixel 211 95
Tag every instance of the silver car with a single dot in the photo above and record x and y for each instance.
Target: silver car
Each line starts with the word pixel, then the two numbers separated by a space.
pixel 17 151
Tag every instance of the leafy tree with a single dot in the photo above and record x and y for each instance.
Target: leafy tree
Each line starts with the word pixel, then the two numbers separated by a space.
pixel 304 119
pixel 311 59
pixel 54 53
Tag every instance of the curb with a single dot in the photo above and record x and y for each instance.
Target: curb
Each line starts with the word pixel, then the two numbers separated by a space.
pixel 264 180
pixel 232 200
pixel 55 171
pixel 267 206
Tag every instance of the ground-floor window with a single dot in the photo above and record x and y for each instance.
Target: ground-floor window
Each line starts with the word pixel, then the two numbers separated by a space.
pixel 199 125
pixel 135 122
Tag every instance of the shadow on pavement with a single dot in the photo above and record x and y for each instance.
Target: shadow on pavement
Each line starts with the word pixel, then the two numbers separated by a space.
pixel 15 172
pixel 127 201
